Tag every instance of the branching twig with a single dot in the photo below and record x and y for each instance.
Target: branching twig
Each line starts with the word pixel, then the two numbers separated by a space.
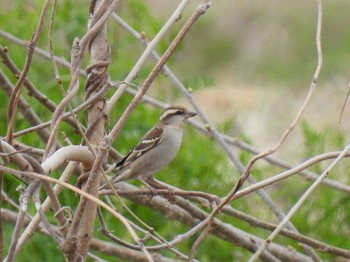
pixel 187 207
pixel 299 203
pixel 20 220
pixel 76 190
pixel 17 90
pixel 34 223
pixel 24 107
pixel 270 151
pixel 192 216
pixel 208 126
pixel 286 174
pixel 79 47
pixel 151 46
pixel 254 222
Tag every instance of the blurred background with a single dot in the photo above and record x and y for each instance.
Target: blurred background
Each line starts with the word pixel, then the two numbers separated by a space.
pixel 255 62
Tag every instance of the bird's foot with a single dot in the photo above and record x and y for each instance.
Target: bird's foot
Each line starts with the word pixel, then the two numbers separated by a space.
pixel 153 191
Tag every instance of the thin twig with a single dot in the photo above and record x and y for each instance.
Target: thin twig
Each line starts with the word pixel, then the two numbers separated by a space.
pixel 254 222
pixel 308 175
pixel 20 220
pixel 208 125
pixel 271 180
pixel 17 90
pixel 34 222
pixel 24 107
pixel 295 208
pixel 151 46
pixel 79 47
pixel 76 190
pixel 191 216
pixel 344 104
pixel 32 90
pixel 273 149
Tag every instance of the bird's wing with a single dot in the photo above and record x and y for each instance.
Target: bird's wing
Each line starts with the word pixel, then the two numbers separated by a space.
pixel 151 139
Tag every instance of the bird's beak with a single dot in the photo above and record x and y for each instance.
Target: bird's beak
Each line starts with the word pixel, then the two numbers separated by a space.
pixel 190 114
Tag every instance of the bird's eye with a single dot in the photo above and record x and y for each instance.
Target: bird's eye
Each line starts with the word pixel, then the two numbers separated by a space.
pixel 178 112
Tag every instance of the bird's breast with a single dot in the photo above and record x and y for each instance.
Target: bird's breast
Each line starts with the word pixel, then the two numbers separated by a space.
pixel 172 141
pixel 157 158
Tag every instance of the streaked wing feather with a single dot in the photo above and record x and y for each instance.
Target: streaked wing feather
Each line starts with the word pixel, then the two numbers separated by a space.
pixel 151 138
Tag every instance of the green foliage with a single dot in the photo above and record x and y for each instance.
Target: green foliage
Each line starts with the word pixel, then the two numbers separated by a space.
pixel 196 83
pixel 40 248
pixel 314 142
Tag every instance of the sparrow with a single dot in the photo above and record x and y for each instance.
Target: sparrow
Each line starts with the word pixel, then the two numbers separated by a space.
pixel 156 149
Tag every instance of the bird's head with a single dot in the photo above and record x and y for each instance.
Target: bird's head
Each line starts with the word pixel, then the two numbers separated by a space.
pixel 176 115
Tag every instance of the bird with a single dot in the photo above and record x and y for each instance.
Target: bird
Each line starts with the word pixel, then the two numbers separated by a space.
pixel 157 148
